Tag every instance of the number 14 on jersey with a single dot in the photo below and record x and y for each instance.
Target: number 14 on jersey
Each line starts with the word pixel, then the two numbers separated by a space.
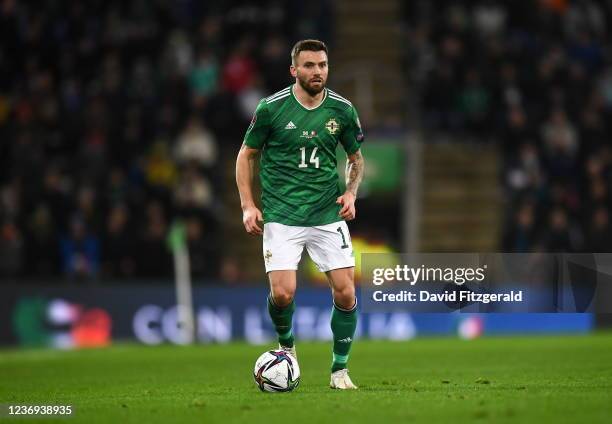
pixel 313 158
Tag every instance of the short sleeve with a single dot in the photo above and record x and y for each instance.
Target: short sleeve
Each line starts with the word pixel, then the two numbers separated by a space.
pixel 258 131
pixel 352 134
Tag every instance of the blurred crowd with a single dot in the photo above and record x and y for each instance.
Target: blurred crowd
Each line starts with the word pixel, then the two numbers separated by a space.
pixel 118 117
pixel 534 76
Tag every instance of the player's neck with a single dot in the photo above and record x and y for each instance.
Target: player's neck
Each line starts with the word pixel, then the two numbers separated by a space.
pixel 305 98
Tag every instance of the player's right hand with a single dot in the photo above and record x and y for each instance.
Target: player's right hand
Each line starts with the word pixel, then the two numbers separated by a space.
pixel 250 216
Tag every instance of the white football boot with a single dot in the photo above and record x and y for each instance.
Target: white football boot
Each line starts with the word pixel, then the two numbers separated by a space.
pixel 341 380
pixel 289 350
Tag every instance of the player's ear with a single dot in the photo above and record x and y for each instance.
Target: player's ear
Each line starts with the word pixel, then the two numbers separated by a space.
pixel 293 71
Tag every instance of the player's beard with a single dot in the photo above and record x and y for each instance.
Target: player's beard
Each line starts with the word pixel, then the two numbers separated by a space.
pixel 310 89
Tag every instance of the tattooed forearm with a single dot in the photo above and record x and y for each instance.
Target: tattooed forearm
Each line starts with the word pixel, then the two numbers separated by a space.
pixel 355 166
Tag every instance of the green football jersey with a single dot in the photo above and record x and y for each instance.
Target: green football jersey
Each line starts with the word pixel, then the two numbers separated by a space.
pixel 298 169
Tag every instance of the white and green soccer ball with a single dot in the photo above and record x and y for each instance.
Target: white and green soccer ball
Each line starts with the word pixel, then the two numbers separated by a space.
pixel 276 371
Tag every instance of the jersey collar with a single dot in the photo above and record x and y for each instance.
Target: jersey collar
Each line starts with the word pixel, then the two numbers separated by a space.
pixel 309 108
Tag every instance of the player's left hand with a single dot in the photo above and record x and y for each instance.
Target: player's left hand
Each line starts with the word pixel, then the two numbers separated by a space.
pixel 347 200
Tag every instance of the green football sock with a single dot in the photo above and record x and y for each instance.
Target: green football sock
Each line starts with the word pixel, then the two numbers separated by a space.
pixel 282 319
pixel 343 324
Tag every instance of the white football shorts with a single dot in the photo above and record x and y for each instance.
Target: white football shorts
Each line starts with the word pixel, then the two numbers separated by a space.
pixel 329 246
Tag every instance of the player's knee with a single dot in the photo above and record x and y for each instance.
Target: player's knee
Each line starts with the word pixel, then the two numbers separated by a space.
pixel 344 297
pixel 282 298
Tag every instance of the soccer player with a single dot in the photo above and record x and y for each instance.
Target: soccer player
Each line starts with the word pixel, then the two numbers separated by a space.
pixel 297 130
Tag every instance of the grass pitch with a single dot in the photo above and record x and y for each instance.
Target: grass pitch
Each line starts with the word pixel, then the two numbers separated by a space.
pixel 507 380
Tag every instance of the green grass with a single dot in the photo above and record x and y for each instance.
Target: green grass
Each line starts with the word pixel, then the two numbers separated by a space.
pixel 513 380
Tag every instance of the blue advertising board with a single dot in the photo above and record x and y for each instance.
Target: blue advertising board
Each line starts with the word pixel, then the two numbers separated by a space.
pixel 72 316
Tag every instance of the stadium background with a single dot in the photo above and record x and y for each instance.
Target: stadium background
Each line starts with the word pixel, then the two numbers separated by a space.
pixel 487 125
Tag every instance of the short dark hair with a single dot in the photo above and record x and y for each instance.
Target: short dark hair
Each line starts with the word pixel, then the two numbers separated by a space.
pixel 306 45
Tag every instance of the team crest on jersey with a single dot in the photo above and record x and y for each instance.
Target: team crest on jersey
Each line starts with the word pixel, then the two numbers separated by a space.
pixel 332 126
pixel 308 134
